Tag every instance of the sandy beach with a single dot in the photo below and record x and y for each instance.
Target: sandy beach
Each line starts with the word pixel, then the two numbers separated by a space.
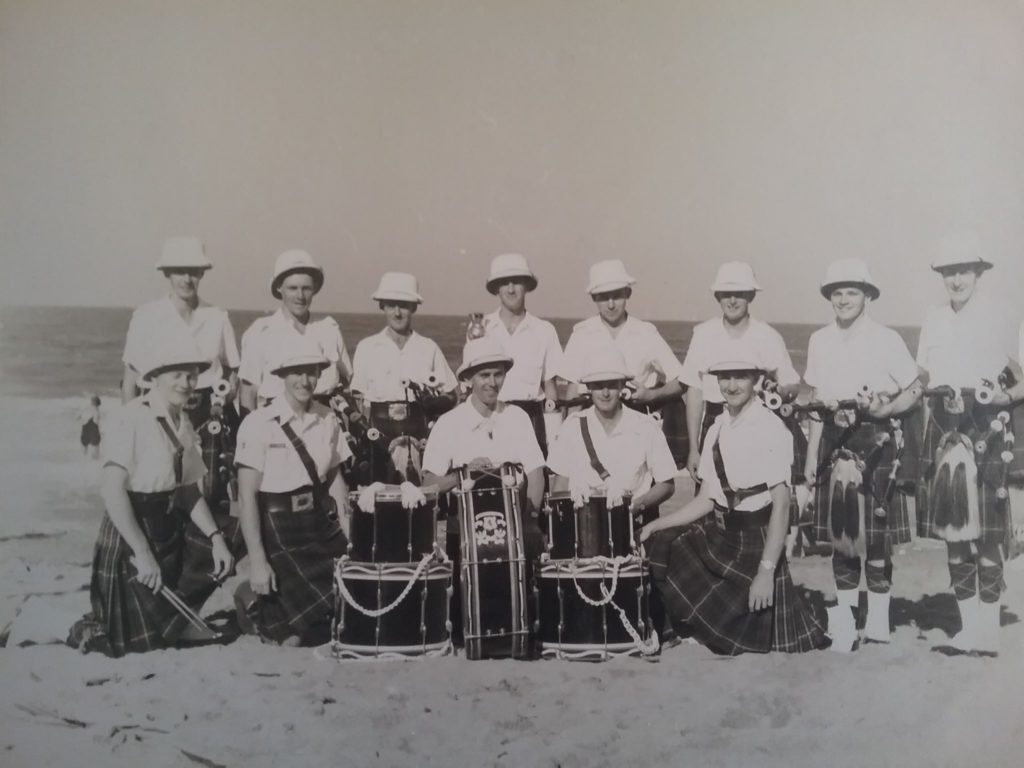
pixel 254 705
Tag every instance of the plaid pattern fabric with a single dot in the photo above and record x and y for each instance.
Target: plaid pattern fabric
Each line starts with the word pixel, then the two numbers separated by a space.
pixel 130 616
pixel 888 531
pixel 704 573
pixel 994 513
pixel 195 584
pixel 301 548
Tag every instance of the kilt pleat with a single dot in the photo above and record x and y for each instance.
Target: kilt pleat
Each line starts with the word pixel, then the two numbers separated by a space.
pixel 704 573
pixel 889 530
pixel 130 617
pixel 301 548
pixel 937 513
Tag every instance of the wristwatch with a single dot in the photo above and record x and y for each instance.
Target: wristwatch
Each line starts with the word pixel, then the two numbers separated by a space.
pixel 768 565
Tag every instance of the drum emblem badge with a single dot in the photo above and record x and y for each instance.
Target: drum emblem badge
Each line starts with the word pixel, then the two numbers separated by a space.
pixel 490 528
pixel 398 411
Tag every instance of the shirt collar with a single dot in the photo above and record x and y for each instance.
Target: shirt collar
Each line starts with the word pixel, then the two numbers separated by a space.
pixel 856 329
pixel 750 412
pixel 282 412
pixel 158 406
pixel 628 423
pixel 383 338
pixel 474 418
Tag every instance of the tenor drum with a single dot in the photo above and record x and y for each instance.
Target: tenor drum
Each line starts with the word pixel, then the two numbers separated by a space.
pixel 391 533
pixel 594 610
pixel 593 530
pixel 391 610
pixel 493 570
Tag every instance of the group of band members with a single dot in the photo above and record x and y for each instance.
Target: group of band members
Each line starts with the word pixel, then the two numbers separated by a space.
pixel 719 564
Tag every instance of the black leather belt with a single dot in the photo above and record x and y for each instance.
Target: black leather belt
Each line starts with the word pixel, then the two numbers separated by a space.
pixel 736 520
pixel 300 500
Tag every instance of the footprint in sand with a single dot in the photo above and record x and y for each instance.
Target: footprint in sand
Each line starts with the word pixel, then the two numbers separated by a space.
pixel 753 710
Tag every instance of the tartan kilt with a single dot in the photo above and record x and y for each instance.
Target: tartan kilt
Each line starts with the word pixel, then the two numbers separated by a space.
pixel 994 513
pixel 301 548
pixel 130 617
pixel 888 531
pixel 704 573
pixel 195 583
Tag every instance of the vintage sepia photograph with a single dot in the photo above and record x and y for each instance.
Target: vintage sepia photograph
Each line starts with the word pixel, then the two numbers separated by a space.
pixel 511 383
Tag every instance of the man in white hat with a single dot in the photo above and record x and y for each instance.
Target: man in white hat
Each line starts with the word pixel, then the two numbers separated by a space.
pixel 649 359
pixel 297 279
pixel 734 289
pixel 727 579
pixel 290 491
pixel 532 343
pixel 483 432
pixel 964 342
pixel 158 542
pixel 183 262
pixel 846 360
pixel 629 445
pixel 403 378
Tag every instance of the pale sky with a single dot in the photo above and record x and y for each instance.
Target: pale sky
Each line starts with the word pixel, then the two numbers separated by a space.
pixel 429 136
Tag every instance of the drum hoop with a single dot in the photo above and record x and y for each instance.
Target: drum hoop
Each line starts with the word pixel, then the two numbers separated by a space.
pixel 350 652
pixel 585 569
pixel 392 496
pixel 392 571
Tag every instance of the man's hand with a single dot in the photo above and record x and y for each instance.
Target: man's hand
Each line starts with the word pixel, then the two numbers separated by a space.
pixel 223 560
pixel 762 591
pixel 261 576
pixel 692 462
pixel 148 570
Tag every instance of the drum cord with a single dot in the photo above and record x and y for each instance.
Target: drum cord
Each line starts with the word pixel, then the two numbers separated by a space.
pixel 376 613
pixel 648 648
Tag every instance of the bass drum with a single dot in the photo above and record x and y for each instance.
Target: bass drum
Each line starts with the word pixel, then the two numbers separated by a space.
pixel 493 569
pixel 391 610
pixel 390 533
pixel 594 530
pixel 595 610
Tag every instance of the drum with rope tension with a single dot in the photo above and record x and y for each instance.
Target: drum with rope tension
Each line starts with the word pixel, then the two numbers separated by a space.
pixel 595 609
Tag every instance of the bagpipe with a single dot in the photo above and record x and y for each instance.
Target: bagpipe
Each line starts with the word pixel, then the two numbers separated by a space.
pixel 585 400
pixel 217 438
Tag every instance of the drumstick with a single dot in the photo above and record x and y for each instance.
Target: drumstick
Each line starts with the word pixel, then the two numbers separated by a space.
pixel 191 616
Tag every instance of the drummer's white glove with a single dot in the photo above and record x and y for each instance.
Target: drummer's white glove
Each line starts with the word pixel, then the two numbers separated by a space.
pixel 614 492
pixel 412 496
pixel 579 492
pixel 368 497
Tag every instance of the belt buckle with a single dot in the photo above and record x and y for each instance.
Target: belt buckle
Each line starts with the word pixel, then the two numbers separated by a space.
pixel 398 411
pixel 302 502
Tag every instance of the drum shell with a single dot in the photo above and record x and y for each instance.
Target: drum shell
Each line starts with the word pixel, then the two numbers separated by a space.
pixel 391 534
pixel 594 530
pixel 415 626
pixel 571 627
pixel 493 572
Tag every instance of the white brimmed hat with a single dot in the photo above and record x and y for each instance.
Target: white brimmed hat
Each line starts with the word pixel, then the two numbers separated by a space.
pixel 480 352
pixel 290 262
pixel 961 249
pixel 510 265
pixel 171 350
pixel 738 364
pixel 604 364
pixel 398 286
pixel 306 351
pixel 735 276
pixel 849 272
pixel 183 253
pixel 610 275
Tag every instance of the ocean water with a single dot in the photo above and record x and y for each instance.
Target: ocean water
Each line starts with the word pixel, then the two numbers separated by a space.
pixel 62 352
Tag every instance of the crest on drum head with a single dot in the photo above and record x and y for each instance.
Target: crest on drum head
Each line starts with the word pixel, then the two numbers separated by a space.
pixel 490 528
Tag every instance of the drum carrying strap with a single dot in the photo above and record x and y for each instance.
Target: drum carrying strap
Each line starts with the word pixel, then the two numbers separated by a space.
pixel 304 457
pixel 732 497
pixel 588 443
pixel 179 449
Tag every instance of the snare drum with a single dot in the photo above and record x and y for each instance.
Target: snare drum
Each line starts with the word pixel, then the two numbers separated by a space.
pixel 391 610
pixel 580 621
pixel 391 533
pixel 594 530
pixel 493 570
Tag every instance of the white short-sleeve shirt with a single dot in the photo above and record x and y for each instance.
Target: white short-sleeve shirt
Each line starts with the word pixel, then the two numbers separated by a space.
pixel 264 340
pixel 711 343
pixel 380 366
pixel 841 361
pixel 463 434
pixel 135 441
pixel 960 349
pixel 263 445
pixel 756 448
pixel 635 453
pixel 649 359
pixel 535 351
pixel 209 327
